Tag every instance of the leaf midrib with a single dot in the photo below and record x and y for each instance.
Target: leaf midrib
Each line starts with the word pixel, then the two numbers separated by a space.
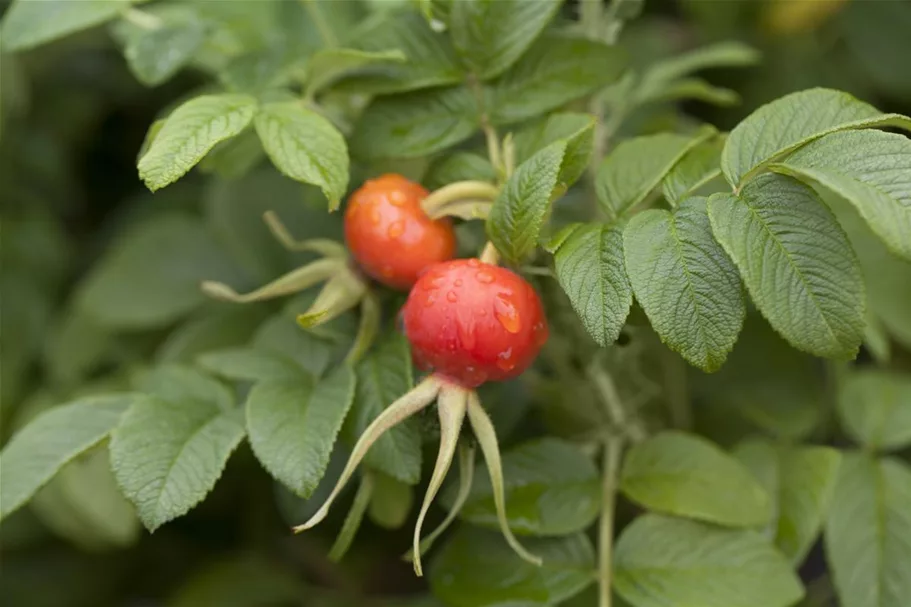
pixel 167 477
pixel 797 271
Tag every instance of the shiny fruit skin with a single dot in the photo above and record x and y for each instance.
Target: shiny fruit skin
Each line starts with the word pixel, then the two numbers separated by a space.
pixel 390 236
pixel 472 322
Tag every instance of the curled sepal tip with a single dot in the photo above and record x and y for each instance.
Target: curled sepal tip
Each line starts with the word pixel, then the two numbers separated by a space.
pixel 340 293
pixel 324 246
pixel 487 439
pixel 466 477
pixel 451 406
pixel 292 282
pixel 406 406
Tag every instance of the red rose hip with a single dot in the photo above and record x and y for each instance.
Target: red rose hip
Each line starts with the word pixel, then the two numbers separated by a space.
pixel 472 322
pixel 389 234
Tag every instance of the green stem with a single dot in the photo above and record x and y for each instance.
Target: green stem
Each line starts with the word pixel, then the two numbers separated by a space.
pixel 613 405
pixel 325 30
pixel 353 520
pixel 610 470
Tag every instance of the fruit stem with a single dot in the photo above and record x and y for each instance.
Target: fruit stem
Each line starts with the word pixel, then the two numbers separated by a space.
pixel 451 407
pixel 487 439
pixel 610 469
pixel 458 191
pixel 490 254
pixel 416 399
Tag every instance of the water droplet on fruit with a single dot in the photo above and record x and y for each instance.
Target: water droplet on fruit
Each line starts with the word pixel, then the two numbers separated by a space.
pixel 473 263
pixel 484 277
pixel 458 282
pixel 506 313
pixel 505 361
pixel 375 216
pixel 396 229
pixel 429 301
pixel 397 198
pixel 452 297
pixel 386 270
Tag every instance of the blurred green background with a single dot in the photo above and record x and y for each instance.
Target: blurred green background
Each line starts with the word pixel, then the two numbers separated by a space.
pixel 73 119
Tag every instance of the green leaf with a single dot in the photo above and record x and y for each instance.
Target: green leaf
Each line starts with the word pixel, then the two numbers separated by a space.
pixel 478 569
pixel 517 216
pixel 789 122
pixel 687 286
pixel 305 146
pixel 234 158
pixel 151 275
pixel 180 383
pixel 382 377
pixel 686 475
pixel 554 71
pixel 636 167
pixel 589 266
pixel 83 504
pixel 416 124
pixel 29 23
pixel 429 58
pixel 869 169
pixel 188 134
pixel 329 65
pixel 249 364
pixel 695 171
pixel 875 408
pixel 282 335
pixel 156 55
pixel 576 129
pixel 491 35
pixel 796 261
pixel 34 454
pixel 459 166
pixel 168 454
pixel 293 426
pixel 552 488
pixel 887 278
pixel 801 481
pixel 868 532
pixel 666 562
pixel 663 79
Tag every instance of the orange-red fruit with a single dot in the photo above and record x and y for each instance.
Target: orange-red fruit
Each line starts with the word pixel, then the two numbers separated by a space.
pixel 390 236
pixel 473 322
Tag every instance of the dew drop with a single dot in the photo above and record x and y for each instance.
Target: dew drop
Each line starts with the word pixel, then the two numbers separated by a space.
pixel 386 270
pixel 458 282
pixel 505 361
pixel 452 297
pixel 473 263
pixel 397 198
pixel 429 301
pixel 375 216
pixel 396 229
pixel 507 315
pixel 484 277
